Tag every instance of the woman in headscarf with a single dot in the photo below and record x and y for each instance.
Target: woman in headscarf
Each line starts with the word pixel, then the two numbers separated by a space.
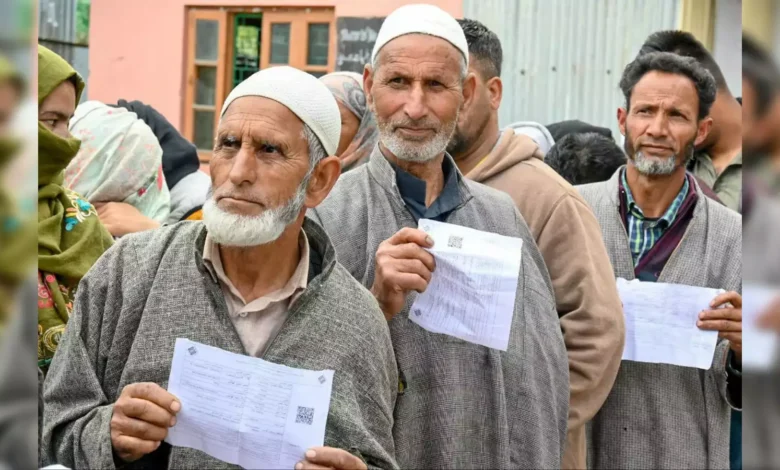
pixel 70 235
pixel 120 160
pixel 358 128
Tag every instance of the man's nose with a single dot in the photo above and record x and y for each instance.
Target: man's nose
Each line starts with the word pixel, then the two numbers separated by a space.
pixel 243 168
pixel 415 106
pixel 658 126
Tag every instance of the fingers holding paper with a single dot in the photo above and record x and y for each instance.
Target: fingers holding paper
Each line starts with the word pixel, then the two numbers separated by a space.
pixel 322 458
pixel 402 265
pixel 140 420
pixel 725 317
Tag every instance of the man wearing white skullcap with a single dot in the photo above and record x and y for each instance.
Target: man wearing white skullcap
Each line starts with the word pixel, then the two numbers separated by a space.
pixel 463 405
pixel 255 277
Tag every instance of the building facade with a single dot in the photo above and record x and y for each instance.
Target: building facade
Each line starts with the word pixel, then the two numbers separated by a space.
pixel 562 58
pixel 184 56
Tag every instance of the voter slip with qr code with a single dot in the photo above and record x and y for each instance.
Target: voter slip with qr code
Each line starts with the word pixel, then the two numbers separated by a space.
pixel 472 291
pixel 244 410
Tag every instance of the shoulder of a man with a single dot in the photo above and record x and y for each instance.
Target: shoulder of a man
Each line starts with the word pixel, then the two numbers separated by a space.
pixel 136 257
pixel 343 292
pixel 725 222
pixel 592 192
pixel 482 195
pixel 158 241
pixel 539 192
pixel 350 193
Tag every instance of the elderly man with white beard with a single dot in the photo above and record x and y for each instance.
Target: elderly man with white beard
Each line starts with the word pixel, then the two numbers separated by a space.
pixel 254 277
pixel 658 227
pixel 460 404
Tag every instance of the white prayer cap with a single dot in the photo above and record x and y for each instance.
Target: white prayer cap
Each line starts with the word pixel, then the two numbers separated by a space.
pixel 421 19
pixel 303 94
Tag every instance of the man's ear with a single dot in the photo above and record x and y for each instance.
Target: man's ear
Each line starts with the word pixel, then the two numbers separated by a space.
pixel 323 178
pixel 495 89
pixel 705 126
pixel 469 90
pixel 368 83
pixel 621 117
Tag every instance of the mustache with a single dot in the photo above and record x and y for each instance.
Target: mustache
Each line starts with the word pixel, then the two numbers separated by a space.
pixel 654 143
pixel 233 194
pixel 425 123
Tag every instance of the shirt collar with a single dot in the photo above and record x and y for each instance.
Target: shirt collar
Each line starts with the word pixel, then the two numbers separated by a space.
pixel 671 213
pixel 295 284
pixel 412 190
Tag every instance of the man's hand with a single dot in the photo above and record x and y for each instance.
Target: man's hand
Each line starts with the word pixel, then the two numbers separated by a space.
pixel 727 321
pixel 402 265
pixel 142 415
pixel 325 458
pixel 770 319
pixel 121 218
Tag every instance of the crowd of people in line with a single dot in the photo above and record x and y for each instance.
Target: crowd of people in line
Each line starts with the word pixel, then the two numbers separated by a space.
pixel 301 247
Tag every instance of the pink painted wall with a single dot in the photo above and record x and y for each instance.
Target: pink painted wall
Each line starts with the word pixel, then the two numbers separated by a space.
pixel 136 47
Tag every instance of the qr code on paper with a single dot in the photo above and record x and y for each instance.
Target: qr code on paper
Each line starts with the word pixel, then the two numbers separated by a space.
pixel 305 415
pixel 455 242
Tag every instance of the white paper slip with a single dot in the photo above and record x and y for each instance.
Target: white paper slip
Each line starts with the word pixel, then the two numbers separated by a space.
pixel 661 323
pixel 472 292
pixel 244 410
pixel 759 347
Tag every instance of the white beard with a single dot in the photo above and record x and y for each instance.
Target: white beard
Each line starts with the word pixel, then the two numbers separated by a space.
pixel 230 229
pixel 412 151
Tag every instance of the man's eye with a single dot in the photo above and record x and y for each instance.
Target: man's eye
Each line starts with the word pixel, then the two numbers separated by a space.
pixel 396 81
pixel 229 142
pixel 267 148
pixel 435 84
pixel 50 122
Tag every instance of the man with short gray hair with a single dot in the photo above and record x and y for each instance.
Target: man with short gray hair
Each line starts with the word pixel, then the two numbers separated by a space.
pixel 460 404
pixel 658 227
pixel 254 278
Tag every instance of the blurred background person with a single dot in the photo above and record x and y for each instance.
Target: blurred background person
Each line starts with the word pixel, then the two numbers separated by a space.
pixel 18 409
pixel 16 231
pixel 717 161
pixel 120 160
pixel 558 130
pixel 761 114
pixel 189 187
pixel 70 235
pixel 761 388
pixel 17 293
pixel 358 127
pixel 585 158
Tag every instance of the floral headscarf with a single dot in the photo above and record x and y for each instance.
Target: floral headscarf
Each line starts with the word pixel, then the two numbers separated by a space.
pixel 120 160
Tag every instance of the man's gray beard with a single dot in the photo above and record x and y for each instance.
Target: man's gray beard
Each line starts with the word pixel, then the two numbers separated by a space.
pixel 654 166
pixel 229 229
pixel 418 152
